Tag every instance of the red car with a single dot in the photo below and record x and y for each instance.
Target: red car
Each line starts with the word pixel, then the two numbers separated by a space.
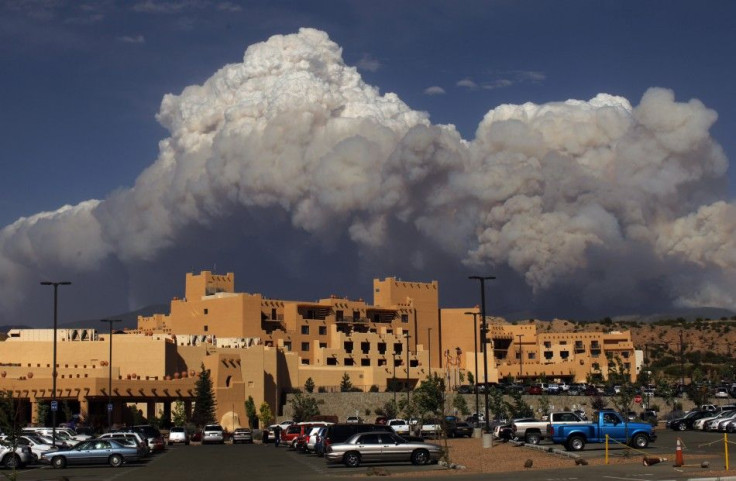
pixel 534 389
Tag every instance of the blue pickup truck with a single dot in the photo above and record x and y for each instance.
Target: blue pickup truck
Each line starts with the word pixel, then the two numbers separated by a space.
pixel 575 436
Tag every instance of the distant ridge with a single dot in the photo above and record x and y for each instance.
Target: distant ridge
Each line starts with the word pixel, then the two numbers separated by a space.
pixel 690 314
pixel 128 320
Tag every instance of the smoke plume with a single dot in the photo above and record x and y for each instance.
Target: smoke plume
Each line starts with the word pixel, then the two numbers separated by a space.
pixel 598 198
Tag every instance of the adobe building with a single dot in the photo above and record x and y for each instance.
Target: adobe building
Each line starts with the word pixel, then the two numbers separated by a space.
pixel 263 348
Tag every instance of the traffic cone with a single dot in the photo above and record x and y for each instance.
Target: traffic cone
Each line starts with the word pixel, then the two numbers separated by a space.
pixel 679 461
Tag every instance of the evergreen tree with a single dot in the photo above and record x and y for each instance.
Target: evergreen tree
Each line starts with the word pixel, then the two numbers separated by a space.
pixel 204 398
pixel 496 405
pixel 304 408
pixel 345 384
pixel 430 396
pixel 518 407
pixel 309 385
pixel 250 412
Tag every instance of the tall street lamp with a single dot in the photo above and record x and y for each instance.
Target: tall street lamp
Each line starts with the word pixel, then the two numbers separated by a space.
pixel 484 340
pixel 408 391
pixel 475 355
pixel 54 402
pixel 109 377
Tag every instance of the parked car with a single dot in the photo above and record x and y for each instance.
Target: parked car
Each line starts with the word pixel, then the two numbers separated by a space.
pixel 459 429
pixel 354 419
pixel 535 389
pixel 94 451
pixel 36 445
pixel 213 433
pixel 242 435
pixel 686 421
pixel 381 447
pixel 18 459
pixel 152 435
pixel 465 389
pixel 339 433
pixel 178 434
pixel 136 438
pixel 721 393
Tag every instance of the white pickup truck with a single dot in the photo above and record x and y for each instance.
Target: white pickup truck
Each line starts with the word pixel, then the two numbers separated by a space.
pixel 400 426
pixel 532 432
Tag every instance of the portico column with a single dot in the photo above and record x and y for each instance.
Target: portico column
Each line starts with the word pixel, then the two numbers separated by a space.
pixel 150 410
pixel 34 411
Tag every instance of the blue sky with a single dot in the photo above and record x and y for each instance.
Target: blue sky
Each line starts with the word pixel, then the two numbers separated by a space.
pixel 82 82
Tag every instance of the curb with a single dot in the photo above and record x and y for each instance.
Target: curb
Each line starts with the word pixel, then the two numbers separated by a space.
pixel 559 452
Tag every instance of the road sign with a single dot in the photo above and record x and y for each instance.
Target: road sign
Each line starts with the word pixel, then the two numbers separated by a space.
pixel 54 405
pixel 109 407
pixel 637 399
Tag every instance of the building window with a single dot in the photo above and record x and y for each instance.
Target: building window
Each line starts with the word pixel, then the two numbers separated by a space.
pixel 305 329
pixel 532 355
pixel 382 348
pixel 365 347
pixel 398 348
pixel 305 361
pixel 548 355
pixel 338 316
pixel 206 311
pixel 564 355
pixel 547 344
pixel 348 361
pixel 323 345
pixel 381 362
pixel 331 361
pixel 305 346
pixel 287 345
pixel 356 315
pixel 206 328
pixel 273 314
pixel 365 362
pixel 322 330
pixel 348 347
pixel 405 318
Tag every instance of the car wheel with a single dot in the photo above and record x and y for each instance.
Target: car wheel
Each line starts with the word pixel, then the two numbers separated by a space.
pixel 170 443
pixel 640 441
pixel 731 428
pixel 115 460
pixel 420 456
pixel 351 460
pixel 576 443
pixel 58 462
pixel 681 427
pixel 11 461
pixel 35 457
pixel 533 438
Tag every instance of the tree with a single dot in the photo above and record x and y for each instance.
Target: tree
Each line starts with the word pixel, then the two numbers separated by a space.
pixel 544 404
pixel 11 421
pixel 471 378
pixel 179 414
pixel 389 409
pixel 430 396
pixel 204 398
pixel 265 416
pixel 42 412
pixel 304 407
pixel 345 384
pixel 309 385
pixel 518 407
pixel 250 412
pixel 496 404
pixel 460 404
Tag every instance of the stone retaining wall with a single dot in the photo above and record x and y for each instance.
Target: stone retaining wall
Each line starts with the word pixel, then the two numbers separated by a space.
pixel 344 404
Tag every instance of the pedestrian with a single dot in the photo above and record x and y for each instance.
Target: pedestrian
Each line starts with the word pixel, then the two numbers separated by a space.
pixel 277 435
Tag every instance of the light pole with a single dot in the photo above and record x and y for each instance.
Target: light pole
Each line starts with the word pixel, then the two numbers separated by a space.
pixel 54 402
pixel 521 358
pixel 484 340
pixel 408 391
pixel 682 361
pixel 475 347
pixel 109 377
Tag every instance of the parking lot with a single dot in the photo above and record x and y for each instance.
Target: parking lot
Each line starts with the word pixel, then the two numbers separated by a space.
pixel 256 461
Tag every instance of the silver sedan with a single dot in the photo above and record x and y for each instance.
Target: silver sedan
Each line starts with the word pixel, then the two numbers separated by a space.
pixel 381 447
pixel 95 451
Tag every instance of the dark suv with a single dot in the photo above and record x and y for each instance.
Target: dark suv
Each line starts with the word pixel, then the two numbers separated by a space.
pixel 339 433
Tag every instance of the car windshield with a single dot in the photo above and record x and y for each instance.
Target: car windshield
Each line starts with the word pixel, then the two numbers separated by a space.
pixel 213 428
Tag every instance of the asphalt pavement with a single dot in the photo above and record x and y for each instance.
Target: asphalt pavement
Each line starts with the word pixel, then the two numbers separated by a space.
pixel 265 462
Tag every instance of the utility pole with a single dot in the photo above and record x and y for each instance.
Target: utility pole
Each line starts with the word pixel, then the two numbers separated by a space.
pixel 484 341
pixel 109 377
pixel 682 361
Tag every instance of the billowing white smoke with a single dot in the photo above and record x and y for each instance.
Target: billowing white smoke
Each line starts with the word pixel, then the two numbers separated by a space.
pixel 539 189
